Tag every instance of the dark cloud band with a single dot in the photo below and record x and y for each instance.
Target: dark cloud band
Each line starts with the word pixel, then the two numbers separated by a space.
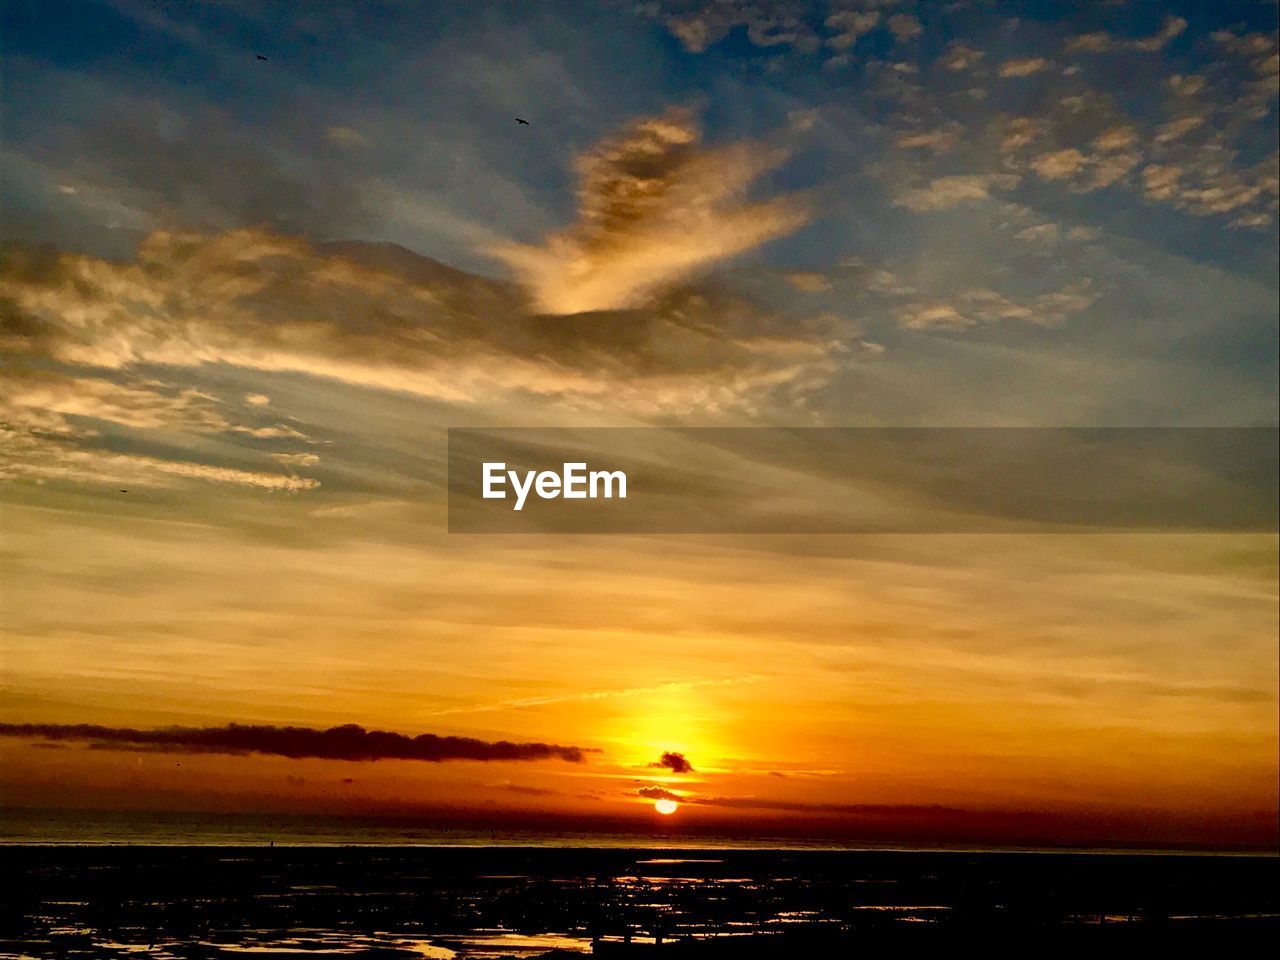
pixel 347 742
pixel 675 762
pixel 785 806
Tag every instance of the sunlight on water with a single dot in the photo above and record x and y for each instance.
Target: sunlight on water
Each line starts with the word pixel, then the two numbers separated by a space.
pixel 482 903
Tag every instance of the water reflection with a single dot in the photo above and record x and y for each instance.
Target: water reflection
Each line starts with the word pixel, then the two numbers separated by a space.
pixel 195 903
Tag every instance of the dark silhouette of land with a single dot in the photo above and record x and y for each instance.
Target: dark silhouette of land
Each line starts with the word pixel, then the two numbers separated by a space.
pixel 390 901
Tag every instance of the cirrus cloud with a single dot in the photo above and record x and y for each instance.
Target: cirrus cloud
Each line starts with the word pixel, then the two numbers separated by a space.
pixel 942 193
pixel 381 317
pixel 654 206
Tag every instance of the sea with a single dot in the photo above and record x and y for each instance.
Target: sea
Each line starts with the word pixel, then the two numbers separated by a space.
pixel 175 885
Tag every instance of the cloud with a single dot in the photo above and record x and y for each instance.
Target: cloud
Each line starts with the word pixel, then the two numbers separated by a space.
pixel 1185 85
pixel 1213 127
pixel 943 193
pixel 675 762
pixel 28 455
pixel 1207 190
pixel 1106 170
pixel 1247 44
pixel 54 423
pixel 381 317
pixel 1160 181
pixel 1103 42
pixel 1253 220
pixel 1039 232
pixel 768 23
pixel 522 702
pixel 296 459
pixel 64 403
pixel 1084 141
pixel 1058 164
pixel 844 809
pixel 1023 66
pixel 904 26
pixel 659 793
pixel 346 137
pixel 939 141
pixel 750 803
pixel 960 56
pixel 195 167
pixel 653 207
pixel 1019 132
pixel 57 402
pixel 699 25
pixel 524 790
pixel 981 306
pixel 347 742
pixel 1176 129
pixel 876 279
pixel 798 806
pixel 1173 27
pixel 1114 138
pixel 849 26
pixel 1049 233
pixel 696 33
pixel 808 281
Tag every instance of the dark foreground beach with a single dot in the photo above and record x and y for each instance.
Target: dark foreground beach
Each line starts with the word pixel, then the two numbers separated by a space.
pixel 442 902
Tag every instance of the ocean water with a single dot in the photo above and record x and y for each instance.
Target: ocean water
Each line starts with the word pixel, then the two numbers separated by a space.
pixel 490 901
pixel 106 827
pixel 472 897
pixel 155 828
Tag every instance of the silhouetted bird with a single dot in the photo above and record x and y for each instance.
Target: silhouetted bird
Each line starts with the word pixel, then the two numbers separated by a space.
pixel 261 57
pixel 124 491
pixel 522 120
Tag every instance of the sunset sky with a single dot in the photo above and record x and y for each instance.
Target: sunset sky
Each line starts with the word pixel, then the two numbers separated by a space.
pixel 242 300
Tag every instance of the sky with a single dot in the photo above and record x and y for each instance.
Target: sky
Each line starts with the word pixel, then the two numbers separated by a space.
pixel 258 258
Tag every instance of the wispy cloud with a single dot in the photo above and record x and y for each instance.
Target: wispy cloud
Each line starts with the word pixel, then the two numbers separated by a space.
pixel 978 306
pixel 960 56
pixel 33 456
pixel 945 192
pixel 653 207
pixel 595 695
pixel 699 25
pixel 797 806
pixel 1023 66
pixel 1103 42
pixel 380 317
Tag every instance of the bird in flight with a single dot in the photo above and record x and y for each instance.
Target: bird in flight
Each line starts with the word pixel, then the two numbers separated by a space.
pixel 261 57
pixel 522 120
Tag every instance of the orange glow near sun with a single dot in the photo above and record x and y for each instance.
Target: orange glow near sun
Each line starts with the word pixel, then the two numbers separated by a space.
pixel 665 806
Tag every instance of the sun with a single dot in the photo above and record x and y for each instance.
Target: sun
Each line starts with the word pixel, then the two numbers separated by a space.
pixel 666 806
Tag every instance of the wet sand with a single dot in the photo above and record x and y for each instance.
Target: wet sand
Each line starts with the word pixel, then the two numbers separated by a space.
pixel 484 902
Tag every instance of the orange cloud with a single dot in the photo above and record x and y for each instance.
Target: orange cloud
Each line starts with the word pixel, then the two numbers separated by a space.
pixel 653 208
